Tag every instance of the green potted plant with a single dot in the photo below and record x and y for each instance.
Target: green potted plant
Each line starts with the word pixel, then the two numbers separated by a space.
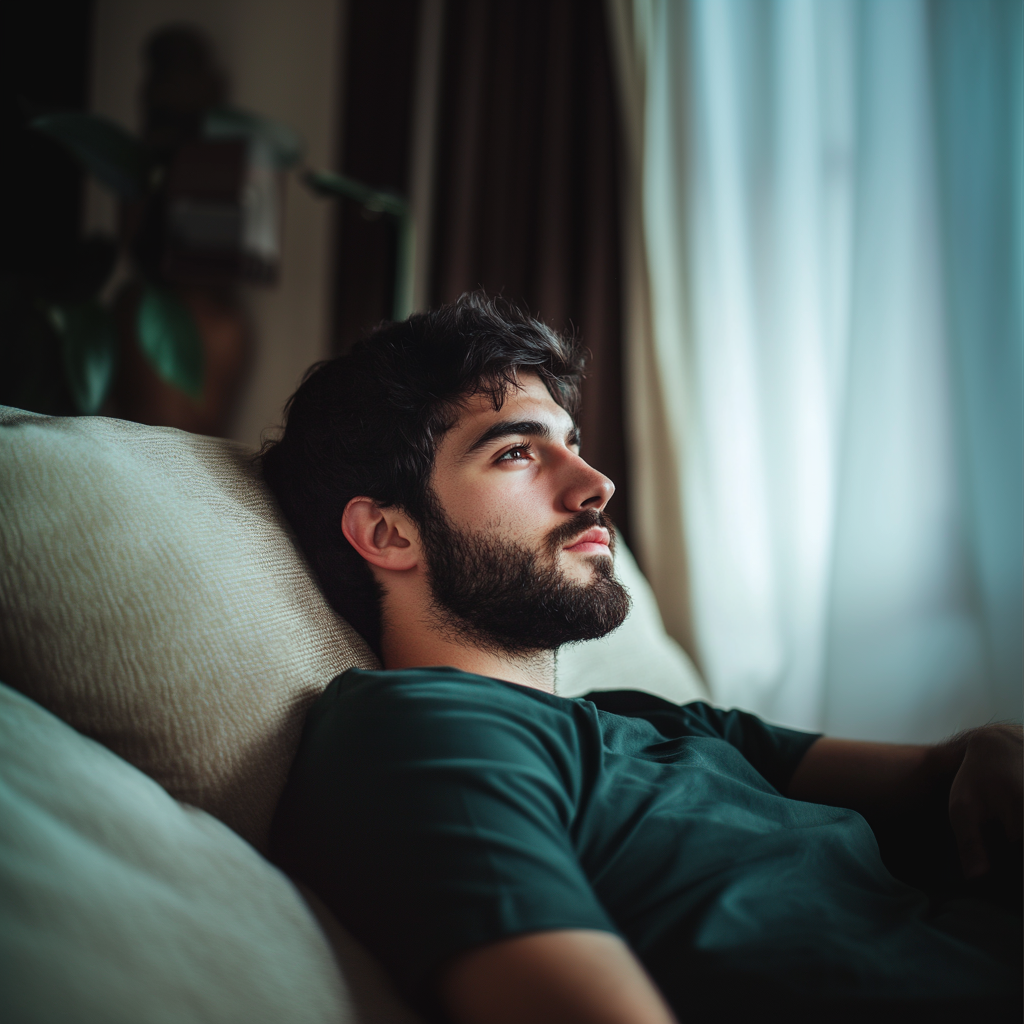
pixel 147 325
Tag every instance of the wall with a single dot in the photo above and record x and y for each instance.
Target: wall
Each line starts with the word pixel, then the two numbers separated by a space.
pixel 282 61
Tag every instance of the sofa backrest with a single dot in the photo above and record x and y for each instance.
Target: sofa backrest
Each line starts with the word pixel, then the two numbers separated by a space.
pixel 151 597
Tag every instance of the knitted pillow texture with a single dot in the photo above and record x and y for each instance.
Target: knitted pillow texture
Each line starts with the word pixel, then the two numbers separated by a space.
pixel 639 655
pixel 151 597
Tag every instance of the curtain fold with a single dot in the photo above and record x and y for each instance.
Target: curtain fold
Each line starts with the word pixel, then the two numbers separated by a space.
pixel 979 74
pixel 659 537
pixel 827 405
pixel 527 187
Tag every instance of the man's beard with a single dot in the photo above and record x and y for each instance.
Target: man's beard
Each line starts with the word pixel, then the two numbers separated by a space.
pixel 505 597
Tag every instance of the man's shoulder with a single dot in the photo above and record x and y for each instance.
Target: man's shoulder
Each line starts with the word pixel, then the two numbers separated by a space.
pixel 428 686
pixel 432 711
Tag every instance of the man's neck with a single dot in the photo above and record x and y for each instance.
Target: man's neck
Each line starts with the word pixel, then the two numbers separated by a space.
pixel 427 645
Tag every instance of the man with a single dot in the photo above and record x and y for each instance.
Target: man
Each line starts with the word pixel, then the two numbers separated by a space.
pixel 511 855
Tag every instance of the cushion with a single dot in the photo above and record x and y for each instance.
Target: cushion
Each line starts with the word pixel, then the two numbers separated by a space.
pixel 123 905
pixel 639 655
pixel 150 597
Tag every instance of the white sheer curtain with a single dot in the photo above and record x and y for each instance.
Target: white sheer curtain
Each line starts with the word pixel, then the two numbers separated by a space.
pixel 826 402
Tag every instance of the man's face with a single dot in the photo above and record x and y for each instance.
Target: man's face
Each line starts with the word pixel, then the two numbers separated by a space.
pixel 519 553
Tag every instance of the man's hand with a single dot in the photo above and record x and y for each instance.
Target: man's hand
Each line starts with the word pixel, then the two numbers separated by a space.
pixel 977 775
pixel 988 787
pixel 557 977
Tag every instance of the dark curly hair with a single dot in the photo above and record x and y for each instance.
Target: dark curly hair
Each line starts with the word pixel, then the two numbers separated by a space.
pixel 369 422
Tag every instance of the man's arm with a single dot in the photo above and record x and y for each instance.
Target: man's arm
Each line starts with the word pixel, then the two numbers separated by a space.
pixel 979 773
pixel 562 977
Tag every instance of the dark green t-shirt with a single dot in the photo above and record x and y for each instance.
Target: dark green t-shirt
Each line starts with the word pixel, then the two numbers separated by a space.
pixel 434 811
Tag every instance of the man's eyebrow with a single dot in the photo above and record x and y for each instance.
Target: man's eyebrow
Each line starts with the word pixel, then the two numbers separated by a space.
pixel 521 428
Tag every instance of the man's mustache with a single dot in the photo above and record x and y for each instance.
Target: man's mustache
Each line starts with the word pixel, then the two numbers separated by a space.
pixel 580 523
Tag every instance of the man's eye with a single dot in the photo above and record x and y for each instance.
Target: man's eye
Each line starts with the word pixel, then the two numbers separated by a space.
pixel 520 453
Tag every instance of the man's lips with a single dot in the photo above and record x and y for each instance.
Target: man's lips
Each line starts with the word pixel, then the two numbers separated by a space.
pixel 594 542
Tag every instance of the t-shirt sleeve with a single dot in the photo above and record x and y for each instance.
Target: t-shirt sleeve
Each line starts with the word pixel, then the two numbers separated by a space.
pixel 432 819
pixel 773 751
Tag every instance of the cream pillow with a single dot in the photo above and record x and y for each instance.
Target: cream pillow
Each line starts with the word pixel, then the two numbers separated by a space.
pixel 639 655
pixel 150 597
pixel 122 906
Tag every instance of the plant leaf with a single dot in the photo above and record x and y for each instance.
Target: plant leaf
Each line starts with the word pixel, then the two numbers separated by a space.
pixel 327 183
pixel 113 156
pixel 232 123
pixel 89 350
pixel 170 340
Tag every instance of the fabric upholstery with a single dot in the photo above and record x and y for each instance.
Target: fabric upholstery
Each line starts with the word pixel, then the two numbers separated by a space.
pixel 639 655
pixel 150 598
pixel 123 906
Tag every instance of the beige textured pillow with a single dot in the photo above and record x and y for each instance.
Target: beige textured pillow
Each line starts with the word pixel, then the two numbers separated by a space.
pixel 122 906
pixel 639 655
pixel 150 597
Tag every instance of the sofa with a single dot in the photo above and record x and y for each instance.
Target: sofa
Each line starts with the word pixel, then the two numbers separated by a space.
pixel 161 638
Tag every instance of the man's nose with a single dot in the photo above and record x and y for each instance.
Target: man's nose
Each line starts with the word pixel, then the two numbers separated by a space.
pixel 588 488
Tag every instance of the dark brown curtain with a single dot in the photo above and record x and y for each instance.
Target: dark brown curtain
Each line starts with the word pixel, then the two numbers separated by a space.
pixel 377 108
pixel 527 178
pixel 527 184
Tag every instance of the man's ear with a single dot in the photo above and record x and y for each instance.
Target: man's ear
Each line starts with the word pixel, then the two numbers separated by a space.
pixel 385 537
